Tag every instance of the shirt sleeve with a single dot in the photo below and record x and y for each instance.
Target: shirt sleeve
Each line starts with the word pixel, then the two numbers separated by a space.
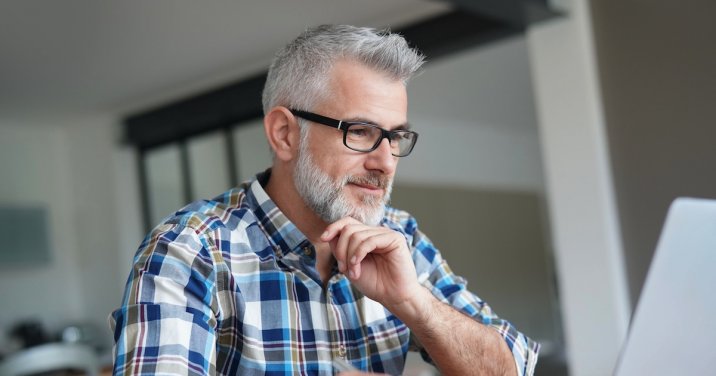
pixel 166 324
pixel 435 274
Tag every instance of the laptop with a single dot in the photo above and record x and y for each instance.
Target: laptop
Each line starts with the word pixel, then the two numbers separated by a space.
pixel 673 330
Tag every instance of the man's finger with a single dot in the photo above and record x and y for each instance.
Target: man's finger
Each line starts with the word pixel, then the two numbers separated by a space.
pixel 380 242
pixel 341 248
pixel 336 227
pixel 339 258
pixel 356 239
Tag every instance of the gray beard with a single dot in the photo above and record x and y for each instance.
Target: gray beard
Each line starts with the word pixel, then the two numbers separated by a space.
pixel 327 197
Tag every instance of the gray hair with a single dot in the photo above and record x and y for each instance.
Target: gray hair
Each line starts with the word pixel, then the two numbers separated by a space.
pixel 298 76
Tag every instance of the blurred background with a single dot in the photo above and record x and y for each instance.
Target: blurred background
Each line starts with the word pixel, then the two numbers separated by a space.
pixel 553 137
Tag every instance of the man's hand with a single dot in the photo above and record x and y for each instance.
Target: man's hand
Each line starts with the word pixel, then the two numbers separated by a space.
pixel 377 260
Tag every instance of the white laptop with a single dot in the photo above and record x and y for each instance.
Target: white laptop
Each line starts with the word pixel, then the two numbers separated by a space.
pixel 673 330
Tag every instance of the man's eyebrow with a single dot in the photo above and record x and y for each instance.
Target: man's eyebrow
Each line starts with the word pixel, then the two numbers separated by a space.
pixel 403 127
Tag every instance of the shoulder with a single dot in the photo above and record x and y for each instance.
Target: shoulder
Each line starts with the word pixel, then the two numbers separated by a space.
pixel 210 237
pixel 424 252
pixel 228 210
pixel 400 220
pixel 208 222
pixel 405 223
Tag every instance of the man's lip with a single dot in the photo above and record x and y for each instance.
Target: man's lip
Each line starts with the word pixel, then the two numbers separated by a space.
pixel 367 186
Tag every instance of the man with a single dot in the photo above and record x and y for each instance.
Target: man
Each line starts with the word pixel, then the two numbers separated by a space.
pixel 305 268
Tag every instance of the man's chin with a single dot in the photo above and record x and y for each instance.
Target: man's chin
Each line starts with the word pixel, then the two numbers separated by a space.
pixel 370 217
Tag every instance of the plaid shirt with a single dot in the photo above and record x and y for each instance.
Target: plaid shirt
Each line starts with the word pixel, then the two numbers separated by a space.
pixel 230 286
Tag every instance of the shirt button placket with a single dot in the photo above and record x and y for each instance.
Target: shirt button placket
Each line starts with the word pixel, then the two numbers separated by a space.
pixel 340 350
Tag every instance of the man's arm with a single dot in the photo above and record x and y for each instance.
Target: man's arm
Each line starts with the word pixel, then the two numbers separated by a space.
pixel 166 323
pixel 379 263
pixel 457 344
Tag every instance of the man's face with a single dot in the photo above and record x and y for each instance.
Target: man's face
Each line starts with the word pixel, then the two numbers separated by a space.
pixel 335 181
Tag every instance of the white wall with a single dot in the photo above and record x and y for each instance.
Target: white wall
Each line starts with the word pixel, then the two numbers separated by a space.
pixel 93 146
pixel 35 170
pixel 69 166
pixel 475 115
pixel 453 152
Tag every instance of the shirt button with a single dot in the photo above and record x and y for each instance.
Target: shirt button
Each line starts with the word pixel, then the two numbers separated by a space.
pixel 342 351
pixel 308 251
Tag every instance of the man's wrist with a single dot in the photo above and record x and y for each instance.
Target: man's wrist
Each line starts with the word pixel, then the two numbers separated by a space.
pixel 416 309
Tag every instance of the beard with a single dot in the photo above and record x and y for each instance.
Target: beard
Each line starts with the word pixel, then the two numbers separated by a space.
pixel 328 198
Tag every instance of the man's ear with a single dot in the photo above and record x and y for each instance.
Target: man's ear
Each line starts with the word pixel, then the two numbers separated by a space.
pixel 282 133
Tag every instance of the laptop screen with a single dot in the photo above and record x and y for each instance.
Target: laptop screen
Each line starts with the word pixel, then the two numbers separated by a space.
pixel 674 326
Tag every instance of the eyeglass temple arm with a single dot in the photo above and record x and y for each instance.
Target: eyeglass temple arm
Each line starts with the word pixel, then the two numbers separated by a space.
pixel 318 118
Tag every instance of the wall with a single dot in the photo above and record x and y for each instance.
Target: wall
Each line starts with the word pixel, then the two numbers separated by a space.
pixel 93 146
pixel 68 166
pixel 476 119
pixel 35 170
pixel 658 73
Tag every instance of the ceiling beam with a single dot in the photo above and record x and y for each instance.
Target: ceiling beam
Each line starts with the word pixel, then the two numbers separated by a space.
pixel 515 13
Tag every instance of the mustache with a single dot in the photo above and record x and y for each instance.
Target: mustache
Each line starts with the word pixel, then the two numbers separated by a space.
pixel 376 180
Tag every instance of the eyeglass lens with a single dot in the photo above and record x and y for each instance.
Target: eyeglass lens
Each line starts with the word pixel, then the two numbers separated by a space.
pixel 366 137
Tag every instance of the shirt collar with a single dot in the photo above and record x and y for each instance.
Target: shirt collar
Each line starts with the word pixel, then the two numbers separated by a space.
pixel 284 235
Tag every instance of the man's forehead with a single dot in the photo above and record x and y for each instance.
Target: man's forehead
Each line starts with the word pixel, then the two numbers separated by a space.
pixel 358 93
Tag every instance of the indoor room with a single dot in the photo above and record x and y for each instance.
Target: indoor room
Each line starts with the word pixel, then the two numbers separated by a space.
pixel 553 137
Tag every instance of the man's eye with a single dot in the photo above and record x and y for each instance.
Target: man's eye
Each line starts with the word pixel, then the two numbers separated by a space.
pixel 358 132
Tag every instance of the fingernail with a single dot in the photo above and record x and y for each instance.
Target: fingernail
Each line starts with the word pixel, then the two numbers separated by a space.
pixel 354 260
pixel 340 266
pixel 325 233
pixel 352 274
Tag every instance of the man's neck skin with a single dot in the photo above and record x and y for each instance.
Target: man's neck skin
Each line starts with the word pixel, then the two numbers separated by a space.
pixel 282 191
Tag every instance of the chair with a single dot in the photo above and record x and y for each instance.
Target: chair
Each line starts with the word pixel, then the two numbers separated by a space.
pixel 51 357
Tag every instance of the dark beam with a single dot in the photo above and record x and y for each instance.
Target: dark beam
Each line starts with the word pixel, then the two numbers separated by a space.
pixel 453 32
pixel 203 112
pixel 515 13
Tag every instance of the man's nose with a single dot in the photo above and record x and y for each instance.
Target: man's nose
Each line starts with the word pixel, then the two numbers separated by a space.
pixel 382 158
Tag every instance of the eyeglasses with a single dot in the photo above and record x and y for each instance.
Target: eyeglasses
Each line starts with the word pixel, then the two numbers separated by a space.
pixel 365 137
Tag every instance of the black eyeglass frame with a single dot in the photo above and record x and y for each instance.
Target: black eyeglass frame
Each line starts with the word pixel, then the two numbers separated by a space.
pixel 344 125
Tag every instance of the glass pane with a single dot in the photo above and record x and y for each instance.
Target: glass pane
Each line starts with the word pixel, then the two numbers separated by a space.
pixel 252 149
pixel 208 164
pixel 362 137
pixel 164 182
